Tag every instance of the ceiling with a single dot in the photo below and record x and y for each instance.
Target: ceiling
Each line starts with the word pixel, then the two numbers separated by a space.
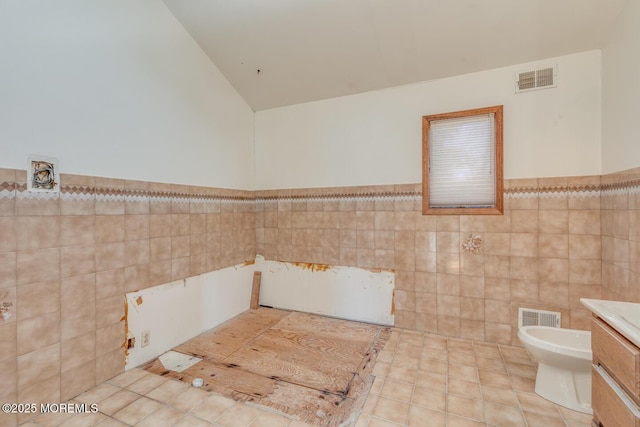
pixel 284 52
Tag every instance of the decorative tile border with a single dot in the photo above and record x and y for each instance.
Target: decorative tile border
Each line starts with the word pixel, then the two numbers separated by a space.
pixel 513 193
pixel 346 197
pixel 7 190
pixel 553 192
pixel 79 193
pixel 10 190
pixel 621 188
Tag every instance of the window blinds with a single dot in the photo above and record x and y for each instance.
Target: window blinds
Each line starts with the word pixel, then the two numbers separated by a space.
pixel 462 162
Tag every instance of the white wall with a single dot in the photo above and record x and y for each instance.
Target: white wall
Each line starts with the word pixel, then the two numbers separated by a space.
pixel 178 311
pixel 621 92
pixel 175 312
pixel 375 137
pixel 345 292
pixel 118 88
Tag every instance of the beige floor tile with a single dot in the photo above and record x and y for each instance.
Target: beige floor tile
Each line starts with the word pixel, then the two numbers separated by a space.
pixel 117 401
pixel 191 421
pixel 436 382
pixel 370 404
pixel 391 410
pixel 537 420
pixel 412 337
pixel 379 422
pixel 164 416
pixel 376 387
pixel 128 377
pixel 570 415
pixel 433 341
pixel 363 420
pixel 494 379
pixel 501 396
pixel 515 355
pixel 456 421
pixel 98 393
pixel 391 346
pixel 167 391
pixel 136 410
pixel 9 419
pixel 434 365
pixel 188 399
pixel 385 356
pixel 490 364
pixel 238 416
pixel 407 375
pixel 526 385
pixel 397 390
pixel 420 380
pixel 466 359
pixel 268 419
pixel 299 424
pixel 404 361
pixel 503 416
pixel 85 420
pixel 409 350
pixel 467 373
pixel 458 345
pixel 434 353
pixel 429 398
pixel 425 417
pixel 49 419
pixel 487 350
pixel 381 369
pixel 531 402
pixel 147 383
pixel 212 407
pixel 465 407
pixel 112 422
pixel 521 370
pixel 464 388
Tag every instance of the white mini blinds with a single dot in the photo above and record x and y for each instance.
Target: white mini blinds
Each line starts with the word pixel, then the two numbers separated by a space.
pixel 463 162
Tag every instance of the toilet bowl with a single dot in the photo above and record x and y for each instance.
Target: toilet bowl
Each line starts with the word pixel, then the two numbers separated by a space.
pixel 564 364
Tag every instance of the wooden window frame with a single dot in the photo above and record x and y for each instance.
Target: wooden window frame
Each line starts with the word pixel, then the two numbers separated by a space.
pixel 499 203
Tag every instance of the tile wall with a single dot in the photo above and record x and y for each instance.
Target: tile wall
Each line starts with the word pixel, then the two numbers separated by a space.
pixel 67 260
pixel 621 235
pixel 543 253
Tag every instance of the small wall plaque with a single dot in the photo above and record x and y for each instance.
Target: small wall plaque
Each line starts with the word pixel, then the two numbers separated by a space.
pixel 43 174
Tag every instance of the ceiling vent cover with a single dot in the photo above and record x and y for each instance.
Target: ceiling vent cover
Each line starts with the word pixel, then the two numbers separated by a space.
pixel 541 78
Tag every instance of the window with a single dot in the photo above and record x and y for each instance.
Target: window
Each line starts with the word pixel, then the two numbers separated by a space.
pixel 462 162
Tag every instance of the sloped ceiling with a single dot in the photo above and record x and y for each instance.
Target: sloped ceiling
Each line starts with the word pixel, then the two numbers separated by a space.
pixel 283 52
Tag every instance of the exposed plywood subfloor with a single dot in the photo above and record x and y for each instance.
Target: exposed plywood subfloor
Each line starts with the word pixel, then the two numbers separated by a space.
pixel 316 369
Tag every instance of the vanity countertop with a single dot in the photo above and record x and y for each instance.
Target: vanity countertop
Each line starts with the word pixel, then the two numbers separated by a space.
pixel 622 316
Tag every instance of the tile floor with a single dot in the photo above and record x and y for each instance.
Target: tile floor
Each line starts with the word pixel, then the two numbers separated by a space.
pixel 421 380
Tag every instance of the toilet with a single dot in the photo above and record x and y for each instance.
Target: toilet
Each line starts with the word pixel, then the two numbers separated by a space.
pixel 564 364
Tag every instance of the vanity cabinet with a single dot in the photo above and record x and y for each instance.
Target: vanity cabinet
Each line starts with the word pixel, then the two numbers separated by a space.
pixel 615 386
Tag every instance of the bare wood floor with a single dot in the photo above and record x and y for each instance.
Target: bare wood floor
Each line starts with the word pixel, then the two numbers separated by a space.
pixel 314 368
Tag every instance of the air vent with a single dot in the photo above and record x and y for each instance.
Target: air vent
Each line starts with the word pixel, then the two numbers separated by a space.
pixel 542 78
pixel 529 317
